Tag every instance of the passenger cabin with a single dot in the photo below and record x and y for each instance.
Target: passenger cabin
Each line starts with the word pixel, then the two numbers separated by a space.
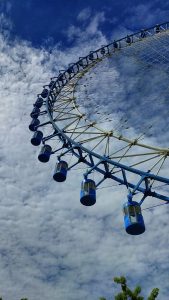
pixel 33 125
pixel 35 113
pixel 88 192
pixel 60 171
pixel 38 103
pixel 45 153
pixel 133 219
pixel 37 138
pixel 44 93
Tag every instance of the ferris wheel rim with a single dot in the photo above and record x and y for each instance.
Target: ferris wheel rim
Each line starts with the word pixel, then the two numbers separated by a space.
pixel 50 98
pixel 59 103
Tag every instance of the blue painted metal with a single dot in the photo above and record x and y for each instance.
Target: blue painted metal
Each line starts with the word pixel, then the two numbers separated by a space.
pixel 33 125
pixel 143 34
pixel 88 192
pixel 133 219
pixel 128 39
pixel 60 172
pixel 44 93
pixel 50 136
pixel 95 166
pixel 70 70
pixel 115 44
pixel 52 84
pixel 102 51
pixel 91 56
pixel 35 113
pixel 37 138
pixel 119 166
pixel 39 103
pixel 157 28
pixel 45 153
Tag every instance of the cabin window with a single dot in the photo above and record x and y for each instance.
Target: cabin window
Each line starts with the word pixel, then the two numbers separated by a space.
pixel 64 164
pixel 131 211
pixel 91 185
pixel 138 210
pixel 88 185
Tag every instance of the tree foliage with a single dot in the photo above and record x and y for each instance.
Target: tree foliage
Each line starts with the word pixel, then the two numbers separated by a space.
pixel 127 294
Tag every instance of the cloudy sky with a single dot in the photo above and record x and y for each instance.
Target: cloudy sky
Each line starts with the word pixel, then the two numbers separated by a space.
pixel 50 245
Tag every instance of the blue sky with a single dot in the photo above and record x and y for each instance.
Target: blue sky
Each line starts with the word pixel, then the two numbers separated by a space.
pixel 40 21
pixel 51 246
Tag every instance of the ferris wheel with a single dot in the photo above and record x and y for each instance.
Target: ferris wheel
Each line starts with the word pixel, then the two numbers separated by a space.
pixel 108 113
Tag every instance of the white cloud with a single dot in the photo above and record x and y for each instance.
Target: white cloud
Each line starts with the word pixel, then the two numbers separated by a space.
pixel 51 246
pixel 84 34
pixel 93 27
pixel 84 14
pixel 145 15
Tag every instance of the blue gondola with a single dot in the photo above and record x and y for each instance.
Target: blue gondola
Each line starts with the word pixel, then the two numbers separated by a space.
pixel 37 138
pixel 33 125
pixel 45 153
pixel 91 56
pixel 38 103
pixel 80 62
pixel 157 28
pixel 115 45
pixel 60 171
pixel 52 84
pixel 133 219
pixel 143 34
pixel 60 78
pixel 44 93
pixel 35 113
pixel 128 39
pixel 102 51
pixel 88 192
pixel 70 70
